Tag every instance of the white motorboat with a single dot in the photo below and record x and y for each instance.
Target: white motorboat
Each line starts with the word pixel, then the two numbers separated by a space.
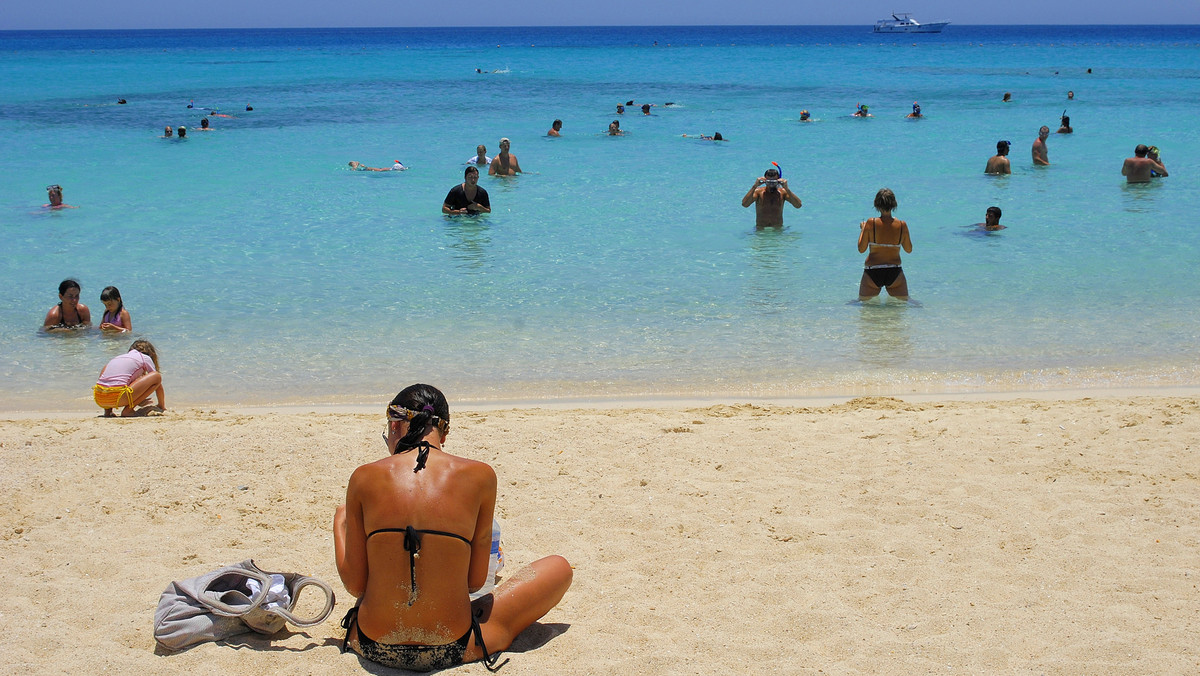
pixel 904 23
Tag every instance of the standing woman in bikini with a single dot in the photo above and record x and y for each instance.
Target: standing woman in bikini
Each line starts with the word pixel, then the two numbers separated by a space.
pixel 884 236
pixel 413 540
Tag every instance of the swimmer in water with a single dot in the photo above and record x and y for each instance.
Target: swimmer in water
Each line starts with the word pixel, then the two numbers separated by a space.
pixel 620 109
pixel 359 166
pixel 504 164
pixel 1007 98
pixel 645 109
pixel 481 158
pixel 804 116
pixel 863 111
pixel 916 110
pixel 768 194
pixel 69 313
pixel 884 237
pixel 555 128
pixel 991 219
pixel 998 163
pixel 168 132
pixel 614 128
pixel 1066 125
pixel 54 194
pixel 204 124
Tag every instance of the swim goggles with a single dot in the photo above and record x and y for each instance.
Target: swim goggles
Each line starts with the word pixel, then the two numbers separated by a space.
pixel 1007 143
pixel 398 413
pixel 54 187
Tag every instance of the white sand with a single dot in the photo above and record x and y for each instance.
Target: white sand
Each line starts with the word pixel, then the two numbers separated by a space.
pixel 874 536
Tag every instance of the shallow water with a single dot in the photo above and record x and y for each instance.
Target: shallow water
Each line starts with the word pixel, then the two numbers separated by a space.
pixel 265 271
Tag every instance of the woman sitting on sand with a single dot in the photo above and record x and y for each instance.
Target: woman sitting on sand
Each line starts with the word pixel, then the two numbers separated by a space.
pixel 413 540
pixel 884 236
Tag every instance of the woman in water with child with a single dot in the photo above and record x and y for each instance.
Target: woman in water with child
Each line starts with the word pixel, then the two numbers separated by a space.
pixel 413 540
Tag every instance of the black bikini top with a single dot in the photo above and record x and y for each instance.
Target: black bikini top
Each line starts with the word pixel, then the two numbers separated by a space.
pixel 62 317
pixel 412 545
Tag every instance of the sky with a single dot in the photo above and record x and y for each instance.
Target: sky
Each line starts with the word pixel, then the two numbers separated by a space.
pixel 128 14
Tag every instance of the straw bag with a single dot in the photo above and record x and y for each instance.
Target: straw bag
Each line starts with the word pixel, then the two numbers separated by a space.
pixel 220 604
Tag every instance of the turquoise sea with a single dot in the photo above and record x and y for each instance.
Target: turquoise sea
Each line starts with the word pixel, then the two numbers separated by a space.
pixel 266 272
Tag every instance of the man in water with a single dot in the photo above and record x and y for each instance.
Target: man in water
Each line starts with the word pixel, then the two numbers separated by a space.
pixel 555 128
pixel 168 132
pixel 614 128
pixel 1065 127
pixel 768 194
pixel 645 109
pixel 916 110
pixel 467 197
pixel 504 164
pixel 998 163
pixel 863 111
pixel 54 193
pixel 804 116
pixel 481 157
pixel 1041 158
pixel 991 220
pixel 1140 168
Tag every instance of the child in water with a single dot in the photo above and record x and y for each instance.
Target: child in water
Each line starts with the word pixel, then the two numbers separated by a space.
pixel 130 378
pixel 116 317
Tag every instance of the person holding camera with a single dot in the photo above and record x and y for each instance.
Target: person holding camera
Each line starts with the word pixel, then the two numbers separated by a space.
pixel 768 194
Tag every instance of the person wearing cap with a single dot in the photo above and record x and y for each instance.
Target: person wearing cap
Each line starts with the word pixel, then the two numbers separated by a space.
pixel 804 116
pixel 768 194
pixel 1140 168
pixel 916 110
pixel 998 163
pixel 504 164
pixel 1041 158
pixel 182 132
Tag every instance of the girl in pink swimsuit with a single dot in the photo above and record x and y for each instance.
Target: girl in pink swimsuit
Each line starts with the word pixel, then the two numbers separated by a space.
pixel 116 317
pixel 128 379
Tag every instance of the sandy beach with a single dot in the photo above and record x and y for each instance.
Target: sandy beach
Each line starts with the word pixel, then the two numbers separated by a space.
pixel 875 535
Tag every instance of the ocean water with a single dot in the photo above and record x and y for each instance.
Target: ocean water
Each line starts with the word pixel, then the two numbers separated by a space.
pixel 266 272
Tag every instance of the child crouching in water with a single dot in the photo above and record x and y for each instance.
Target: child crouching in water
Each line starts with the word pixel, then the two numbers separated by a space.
pixel 116 317
pixel 130 378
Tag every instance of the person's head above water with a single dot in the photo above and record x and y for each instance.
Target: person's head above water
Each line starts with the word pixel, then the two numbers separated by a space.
pixel 557 125
pixel 1141 150
pixel 992 217
pixel 167 131
pixel 469 171
pixel 804 115
pixel 54 192
pixel 1002 147
pixel 885 200
pixel 423 408
pixel 916 108
pixel 1043 132
pixel 66 285
pixel 204 123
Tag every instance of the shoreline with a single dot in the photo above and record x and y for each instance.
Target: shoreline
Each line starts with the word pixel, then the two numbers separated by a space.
pixel 645 402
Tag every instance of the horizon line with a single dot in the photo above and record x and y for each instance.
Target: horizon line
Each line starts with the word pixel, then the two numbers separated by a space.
pixel 493 26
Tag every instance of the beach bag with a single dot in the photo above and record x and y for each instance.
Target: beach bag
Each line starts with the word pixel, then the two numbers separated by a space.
pixel 232 600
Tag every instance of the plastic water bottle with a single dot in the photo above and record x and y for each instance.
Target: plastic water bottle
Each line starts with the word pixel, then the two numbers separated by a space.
pixel 496 560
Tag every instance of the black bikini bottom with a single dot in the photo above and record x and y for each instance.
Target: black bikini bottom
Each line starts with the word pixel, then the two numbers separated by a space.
pixel 883 276
pixel 416 657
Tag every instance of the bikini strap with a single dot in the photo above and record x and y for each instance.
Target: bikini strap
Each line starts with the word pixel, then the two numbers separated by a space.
pixel 489 659
pixel 412 545
pixel 350 620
